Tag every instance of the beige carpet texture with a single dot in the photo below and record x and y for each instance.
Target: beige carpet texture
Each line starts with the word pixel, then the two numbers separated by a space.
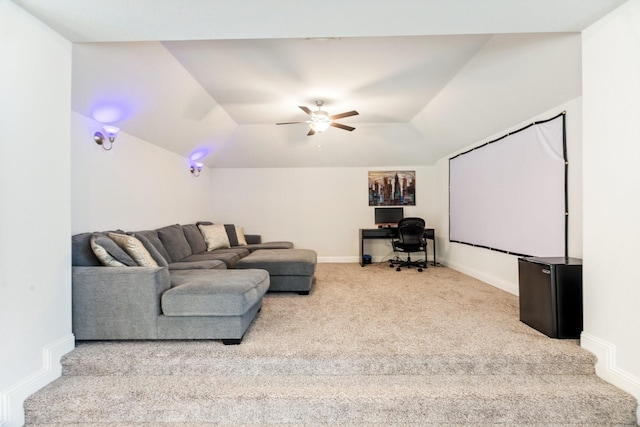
pixel 368 346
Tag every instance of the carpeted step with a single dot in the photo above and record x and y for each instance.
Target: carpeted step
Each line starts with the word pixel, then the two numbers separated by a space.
pixel 213 358
pixel 300 399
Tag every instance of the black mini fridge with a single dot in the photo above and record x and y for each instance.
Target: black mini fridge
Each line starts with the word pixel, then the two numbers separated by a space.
pixel 551 295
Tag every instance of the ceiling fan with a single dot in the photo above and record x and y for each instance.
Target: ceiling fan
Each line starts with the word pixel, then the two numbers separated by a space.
pixel 321 120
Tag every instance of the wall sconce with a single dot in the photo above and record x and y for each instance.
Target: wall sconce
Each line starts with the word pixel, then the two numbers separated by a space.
pixel 196 168
pixel 111 132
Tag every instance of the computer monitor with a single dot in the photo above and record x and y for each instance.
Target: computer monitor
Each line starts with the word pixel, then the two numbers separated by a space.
pixel 388 217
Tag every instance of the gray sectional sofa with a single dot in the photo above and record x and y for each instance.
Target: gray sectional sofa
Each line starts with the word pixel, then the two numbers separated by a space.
pixel 165 284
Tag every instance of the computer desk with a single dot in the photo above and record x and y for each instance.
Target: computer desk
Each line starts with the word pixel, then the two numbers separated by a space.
pixel 389 233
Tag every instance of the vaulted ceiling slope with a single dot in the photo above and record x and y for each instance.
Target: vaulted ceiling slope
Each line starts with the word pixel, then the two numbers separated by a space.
pixel 428 77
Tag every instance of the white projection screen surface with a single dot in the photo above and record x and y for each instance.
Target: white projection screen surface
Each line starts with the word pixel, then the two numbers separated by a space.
pixel 510 194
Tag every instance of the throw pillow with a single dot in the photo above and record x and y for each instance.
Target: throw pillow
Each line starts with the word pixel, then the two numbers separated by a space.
pixel 215 235
pixel 231 234
pixel 102 254
pixel 109 253
pixel 135 249
pixel 236 235
pixel 152 237
pixel 155 254
pixel 242 241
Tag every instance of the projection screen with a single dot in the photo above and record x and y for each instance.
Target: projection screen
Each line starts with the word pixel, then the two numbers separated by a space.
pixel 510 194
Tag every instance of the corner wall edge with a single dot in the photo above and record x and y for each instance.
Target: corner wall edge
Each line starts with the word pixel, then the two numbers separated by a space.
pixel 12 398
pixel 607 369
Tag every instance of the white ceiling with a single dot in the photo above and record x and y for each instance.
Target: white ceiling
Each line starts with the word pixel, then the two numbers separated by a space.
pixel 428 77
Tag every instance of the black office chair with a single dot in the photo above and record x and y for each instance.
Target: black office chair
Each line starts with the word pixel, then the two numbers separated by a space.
pixel 410 239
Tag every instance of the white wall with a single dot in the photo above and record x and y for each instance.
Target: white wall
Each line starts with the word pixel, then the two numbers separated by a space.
pixel 497 268
pixel 315 208
pixel 134 186
pixel 35 255
pixel 512 77
pixel 611 66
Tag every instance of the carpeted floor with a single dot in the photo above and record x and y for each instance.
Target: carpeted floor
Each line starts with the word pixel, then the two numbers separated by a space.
pixel 367 346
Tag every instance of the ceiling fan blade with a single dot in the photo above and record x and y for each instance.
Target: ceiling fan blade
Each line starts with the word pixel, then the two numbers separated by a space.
pixel 290 123
pixel 341 126
pixel 311 132
pixel 347 114
pixel 305 109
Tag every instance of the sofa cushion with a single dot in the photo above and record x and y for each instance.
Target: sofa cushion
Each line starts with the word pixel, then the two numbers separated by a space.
pixel 268 245
pixel 282 262
pixel 195 238
pixel 175 243
pixel 81 253
pixel 205 264
pixel 214 292
pixel 215 235
pixel 240 250
pixel 109 253
pixel 135 249
pixel 230 258
pixel 152 237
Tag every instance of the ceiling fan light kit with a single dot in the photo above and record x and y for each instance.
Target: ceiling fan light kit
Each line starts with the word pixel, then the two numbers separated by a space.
pixel 321 120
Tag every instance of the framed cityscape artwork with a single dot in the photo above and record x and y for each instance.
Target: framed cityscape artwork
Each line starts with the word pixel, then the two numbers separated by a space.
pixel 392 188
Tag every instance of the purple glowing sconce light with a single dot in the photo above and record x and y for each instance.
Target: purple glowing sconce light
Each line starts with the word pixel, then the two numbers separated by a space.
pixel 108 112
pixel 110 134
pixel 196 167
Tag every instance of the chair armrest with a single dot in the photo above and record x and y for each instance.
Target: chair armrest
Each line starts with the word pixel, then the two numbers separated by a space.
pixel 117 302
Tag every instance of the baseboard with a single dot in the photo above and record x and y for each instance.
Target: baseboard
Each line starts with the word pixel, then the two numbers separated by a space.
pixel 349 259
pixel 338 259
pixel 607 369
pixel 497 282
pixel 12 399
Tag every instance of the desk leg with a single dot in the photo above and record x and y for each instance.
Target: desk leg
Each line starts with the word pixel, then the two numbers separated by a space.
pixel 435 263
pixel 361 250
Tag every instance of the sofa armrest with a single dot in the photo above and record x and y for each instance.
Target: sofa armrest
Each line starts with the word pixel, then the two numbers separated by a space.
pixel 253 239
pixel 117 302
